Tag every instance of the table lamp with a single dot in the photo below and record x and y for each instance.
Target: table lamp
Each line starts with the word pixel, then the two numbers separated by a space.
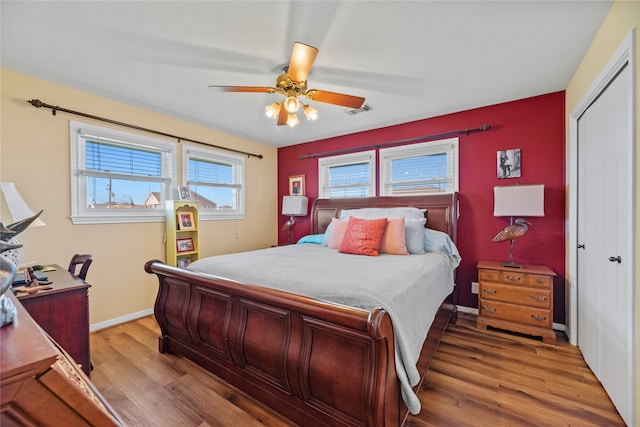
pixel 293 206
pixel 19 211
pixel 520 201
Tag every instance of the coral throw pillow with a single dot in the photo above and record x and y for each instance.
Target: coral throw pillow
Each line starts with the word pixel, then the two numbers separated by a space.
pixel 363 236
pixel 393 241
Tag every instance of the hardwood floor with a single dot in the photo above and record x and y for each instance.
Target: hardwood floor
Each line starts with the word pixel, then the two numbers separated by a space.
pixel 477 378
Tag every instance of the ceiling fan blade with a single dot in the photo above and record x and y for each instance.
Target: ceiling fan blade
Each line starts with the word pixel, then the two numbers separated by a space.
pixel 241 89
pixel 283 115
pixel 302 57
pixel 335 98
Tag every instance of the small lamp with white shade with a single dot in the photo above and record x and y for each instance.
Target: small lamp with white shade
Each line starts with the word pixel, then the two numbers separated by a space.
pixel 293 206
pixel 520 201
pixel 19 211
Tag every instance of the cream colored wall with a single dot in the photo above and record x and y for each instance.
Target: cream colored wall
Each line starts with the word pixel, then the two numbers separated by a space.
pixel 34 154
pixel 622 18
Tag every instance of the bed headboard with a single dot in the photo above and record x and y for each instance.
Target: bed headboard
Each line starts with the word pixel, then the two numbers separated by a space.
pixel 441 214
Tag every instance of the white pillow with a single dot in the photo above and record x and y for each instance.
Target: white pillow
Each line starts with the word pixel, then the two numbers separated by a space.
pixel 389 213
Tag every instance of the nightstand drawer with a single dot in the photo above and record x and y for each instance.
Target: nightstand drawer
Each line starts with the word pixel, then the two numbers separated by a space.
pixel 513 277
pixel 517 295
pixel 489 275
pixel 524 315
pixel 539 281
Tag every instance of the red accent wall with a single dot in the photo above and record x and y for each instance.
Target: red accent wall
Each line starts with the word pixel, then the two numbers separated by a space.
pixel 535 125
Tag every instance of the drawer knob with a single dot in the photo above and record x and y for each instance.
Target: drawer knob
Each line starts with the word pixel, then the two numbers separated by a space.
pixel 514 278
pixel 490 291
pixel 540 318
pixel 538 298
pixel 488 309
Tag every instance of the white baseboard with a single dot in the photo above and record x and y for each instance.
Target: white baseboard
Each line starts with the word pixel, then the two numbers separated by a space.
pixel 118 320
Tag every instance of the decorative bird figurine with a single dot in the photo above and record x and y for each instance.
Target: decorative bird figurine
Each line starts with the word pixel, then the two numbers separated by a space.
pixel 517 229
pixel 513 231
pixel 12 230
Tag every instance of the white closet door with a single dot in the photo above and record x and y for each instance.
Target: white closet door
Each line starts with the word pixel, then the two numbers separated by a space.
pixel 605 318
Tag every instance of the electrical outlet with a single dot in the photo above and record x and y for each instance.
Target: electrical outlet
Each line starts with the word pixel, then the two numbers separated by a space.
pixel 474 287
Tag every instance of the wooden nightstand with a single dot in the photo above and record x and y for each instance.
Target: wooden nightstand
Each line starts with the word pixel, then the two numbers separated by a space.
pixel 516 299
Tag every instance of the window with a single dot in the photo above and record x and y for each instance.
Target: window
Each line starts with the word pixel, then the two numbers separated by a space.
pixel 348 175
pixel 425 168
pixel 118 176
pixel 216 182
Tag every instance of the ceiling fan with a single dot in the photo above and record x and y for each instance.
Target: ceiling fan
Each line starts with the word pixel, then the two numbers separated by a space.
pixel 292 83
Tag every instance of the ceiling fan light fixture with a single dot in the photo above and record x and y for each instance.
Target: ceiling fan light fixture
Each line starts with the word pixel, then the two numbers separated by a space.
pixel 272 110
pixel 291 104
pixel 310 112
pixel 292 120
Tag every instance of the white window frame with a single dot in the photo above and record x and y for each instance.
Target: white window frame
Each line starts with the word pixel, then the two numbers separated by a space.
pixel 448 146
pixel 79 133
pixel 238 163
pixel 342 160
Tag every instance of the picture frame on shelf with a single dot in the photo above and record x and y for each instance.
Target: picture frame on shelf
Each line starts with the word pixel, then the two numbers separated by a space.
pixel 186 221
pixel 183 261
pixel 296 185
pixel 184 193
pixel 184 244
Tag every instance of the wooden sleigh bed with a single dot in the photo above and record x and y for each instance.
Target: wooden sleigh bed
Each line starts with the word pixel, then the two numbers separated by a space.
pixel 316 363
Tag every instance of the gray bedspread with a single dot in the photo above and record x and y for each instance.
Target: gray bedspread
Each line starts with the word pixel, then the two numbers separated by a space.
pixel 410 288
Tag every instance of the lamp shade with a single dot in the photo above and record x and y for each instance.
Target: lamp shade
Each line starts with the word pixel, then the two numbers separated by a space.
pixel 18 208
pixel 295 205
pixel 519 200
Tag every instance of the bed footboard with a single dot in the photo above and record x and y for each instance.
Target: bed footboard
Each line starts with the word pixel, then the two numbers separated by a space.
pixel 318 364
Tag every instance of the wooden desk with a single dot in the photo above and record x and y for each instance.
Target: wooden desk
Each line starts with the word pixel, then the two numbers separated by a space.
pixel 40 385
pixel 63 312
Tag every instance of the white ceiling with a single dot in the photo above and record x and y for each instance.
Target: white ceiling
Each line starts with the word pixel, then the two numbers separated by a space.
pixel 409 59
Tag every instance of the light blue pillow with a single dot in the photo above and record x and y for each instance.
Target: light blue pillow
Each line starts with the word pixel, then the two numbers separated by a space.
pixel 414 235
pixel 312 238
pixel 437 241
pixel 327 235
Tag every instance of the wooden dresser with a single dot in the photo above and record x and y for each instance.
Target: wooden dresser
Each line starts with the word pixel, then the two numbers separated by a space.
pixel 40 385
pixel 516 299
pixel 63 312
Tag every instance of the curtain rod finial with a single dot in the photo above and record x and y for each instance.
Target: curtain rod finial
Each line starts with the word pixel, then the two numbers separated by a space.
pixel 36 103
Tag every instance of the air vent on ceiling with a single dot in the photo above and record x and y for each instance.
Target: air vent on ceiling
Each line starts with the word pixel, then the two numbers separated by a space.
pixel 365 107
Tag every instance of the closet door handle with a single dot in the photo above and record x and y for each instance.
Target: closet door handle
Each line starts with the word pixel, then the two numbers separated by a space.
pixel 615 259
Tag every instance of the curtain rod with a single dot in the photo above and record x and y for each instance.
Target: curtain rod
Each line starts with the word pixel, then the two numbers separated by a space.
pixel 54 109
pixel 393 143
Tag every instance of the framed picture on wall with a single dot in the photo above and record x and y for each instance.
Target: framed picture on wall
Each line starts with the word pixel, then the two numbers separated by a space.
pixel 296 185
pixel 509 162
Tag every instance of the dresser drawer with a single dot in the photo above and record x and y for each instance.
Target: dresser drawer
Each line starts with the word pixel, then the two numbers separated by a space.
pixel 533 297
pixel 516 313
